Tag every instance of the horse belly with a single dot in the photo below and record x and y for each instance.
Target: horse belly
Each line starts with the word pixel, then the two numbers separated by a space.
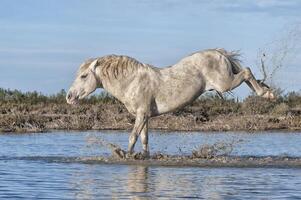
pixel 175 99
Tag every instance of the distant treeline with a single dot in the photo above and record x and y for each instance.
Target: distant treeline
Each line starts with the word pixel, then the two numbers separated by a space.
pixel 210 103
pixel 17 96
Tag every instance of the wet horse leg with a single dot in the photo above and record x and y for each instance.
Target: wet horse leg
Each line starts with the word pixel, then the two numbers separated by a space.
pixel 144 139
pixel 141 120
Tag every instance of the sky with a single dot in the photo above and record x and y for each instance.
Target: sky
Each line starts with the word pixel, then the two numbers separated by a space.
pixel 43 42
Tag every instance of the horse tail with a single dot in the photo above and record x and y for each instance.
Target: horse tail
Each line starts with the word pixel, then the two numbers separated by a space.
pixel 233 57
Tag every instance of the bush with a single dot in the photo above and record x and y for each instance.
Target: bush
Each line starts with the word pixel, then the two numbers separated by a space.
pixel 281 109
pixel 16 96
pixel 257 105
pixel 206 105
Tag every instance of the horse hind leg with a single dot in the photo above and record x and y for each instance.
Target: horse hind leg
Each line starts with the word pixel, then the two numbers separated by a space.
pixel 226 84
pixel 243 75
pixel 246 75
pixel 253 84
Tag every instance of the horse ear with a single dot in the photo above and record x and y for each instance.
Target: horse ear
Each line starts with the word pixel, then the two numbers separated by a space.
pixel 93 65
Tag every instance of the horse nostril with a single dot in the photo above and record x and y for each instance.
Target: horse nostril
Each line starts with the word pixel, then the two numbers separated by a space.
pixel 69 96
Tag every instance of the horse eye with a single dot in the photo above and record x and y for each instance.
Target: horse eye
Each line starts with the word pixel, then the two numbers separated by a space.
pixel 83 76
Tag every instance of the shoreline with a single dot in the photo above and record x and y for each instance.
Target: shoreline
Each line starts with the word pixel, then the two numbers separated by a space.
pixel 206 114
pixel 168 123
pixel 71 131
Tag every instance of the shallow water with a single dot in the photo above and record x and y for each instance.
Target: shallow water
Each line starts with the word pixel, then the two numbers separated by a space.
pixel 27 172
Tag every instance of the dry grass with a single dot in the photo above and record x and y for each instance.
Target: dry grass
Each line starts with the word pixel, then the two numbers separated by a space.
pixel 18 113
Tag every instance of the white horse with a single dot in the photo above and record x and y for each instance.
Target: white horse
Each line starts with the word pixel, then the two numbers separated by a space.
pixel 147 91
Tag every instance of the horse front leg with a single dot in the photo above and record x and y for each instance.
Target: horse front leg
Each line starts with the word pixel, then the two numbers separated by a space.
pixel 144 139
pixel 141 120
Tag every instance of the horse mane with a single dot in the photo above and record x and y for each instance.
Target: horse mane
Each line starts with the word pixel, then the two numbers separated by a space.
pixel 119 66
pixel 115 65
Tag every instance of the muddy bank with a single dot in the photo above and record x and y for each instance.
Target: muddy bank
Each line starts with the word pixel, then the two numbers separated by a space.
pixel 206 155
pixel 211 114
pixel 170 122
pixel 187 161
pixel 177 161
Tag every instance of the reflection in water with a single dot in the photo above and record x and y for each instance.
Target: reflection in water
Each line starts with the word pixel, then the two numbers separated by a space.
pixel 83 184
pixel 92 184
pixel 137 182
pixel 45 175
pixel 94 181
pixel 141 182
pixel 212 187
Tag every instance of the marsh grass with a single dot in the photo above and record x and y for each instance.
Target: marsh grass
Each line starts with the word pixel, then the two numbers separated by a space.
pixel 33 111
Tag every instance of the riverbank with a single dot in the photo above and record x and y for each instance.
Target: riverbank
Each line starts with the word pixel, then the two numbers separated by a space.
pixel 206 114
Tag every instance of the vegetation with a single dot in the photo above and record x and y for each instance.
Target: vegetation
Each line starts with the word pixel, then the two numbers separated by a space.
pixel 34 112
pixel 16 96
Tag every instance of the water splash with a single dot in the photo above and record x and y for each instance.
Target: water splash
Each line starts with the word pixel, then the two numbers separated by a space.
pixel 220 148
pixel 116 150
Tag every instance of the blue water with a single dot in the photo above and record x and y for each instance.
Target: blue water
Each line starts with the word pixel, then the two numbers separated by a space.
pixel 47 179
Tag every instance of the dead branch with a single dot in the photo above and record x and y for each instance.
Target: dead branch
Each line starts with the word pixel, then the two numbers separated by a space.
pixel 263 67
pixel 275 55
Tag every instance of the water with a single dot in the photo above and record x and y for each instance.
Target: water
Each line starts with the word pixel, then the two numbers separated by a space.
pixel 27 172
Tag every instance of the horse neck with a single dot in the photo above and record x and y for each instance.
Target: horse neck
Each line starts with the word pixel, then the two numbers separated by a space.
pixel 119 86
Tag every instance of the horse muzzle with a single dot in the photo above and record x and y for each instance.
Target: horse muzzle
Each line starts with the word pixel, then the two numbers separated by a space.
pixel 72 98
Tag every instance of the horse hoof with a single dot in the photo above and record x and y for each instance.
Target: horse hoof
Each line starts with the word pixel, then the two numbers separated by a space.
pixel 146 154
pixel 141 155
pixel 130 155
pixel 137 156
pixel 269 95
